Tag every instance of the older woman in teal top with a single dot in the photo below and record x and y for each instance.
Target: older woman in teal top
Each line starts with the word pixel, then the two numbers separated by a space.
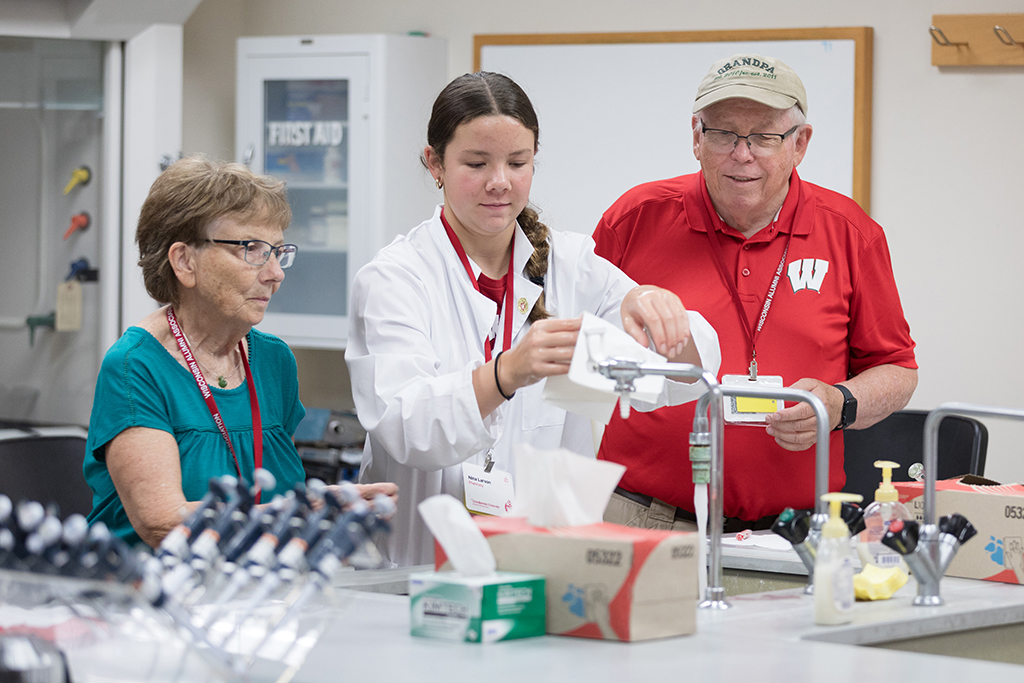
pixel 193 391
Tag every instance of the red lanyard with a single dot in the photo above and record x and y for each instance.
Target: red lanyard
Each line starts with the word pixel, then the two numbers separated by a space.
pixel 509 296
pixel 204 389
pixel 716 247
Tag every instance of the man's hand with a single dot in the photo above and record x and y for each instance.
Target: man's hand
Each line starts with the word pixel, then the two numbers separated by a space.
pixel 880 391
pixel 796 428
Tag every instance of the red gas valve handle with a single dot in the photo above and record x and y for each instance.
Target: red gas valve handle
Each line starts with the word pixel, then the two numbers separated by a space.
pixel 79 221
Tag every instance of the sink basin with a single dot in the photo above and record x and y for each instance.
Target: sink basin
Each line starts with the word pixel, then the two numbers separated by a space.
pixel 743 582
pixel 994 644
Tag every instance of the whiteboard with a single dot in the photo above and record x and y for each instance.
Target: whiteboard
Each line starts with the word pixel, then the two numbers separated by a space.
pixel 614 115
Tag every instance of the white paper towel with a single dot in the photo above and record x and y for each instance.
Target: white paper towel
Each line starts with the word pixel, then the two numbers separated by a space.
pixel 560 488
pixel 453 528
pixel 587 392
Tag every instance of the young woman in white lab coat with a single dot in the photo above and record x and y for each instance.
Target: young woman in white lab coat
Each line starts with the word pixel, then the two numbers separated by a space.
pixel 455 324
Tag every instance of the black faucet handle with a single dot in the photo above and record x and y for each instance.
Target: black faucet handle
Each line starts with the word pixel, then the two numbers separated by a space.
pixel 902 536
pixel 793 525
pixel 957 526
pixel 853 515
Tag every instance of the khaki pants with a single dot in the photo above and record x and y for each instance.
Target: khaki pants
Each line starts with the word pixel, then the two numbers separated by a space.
pixel 660 515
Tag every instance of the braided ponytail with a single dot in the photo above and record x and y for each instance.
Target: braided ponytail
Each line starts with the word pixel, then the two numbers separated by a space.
pixel 537 266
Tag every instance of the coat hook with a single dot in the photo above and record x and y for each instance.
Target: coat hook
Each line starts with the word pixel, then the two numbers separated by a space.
pixel 939 37
pixel 1004 36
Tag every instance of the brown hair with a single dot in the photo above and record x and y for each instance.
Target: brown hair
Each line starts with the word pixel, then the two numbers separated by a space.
pixel 189 196
pixel 489 94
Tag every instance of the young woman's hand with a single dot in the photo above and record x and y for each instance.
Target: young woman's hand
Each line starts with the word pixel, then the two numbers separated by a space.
pixel 652 314
pixel 545 350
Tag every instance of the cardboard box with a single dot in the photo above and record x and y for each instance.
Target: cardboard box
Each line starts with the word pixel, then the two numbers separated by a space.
pixel 603 580
pixel 996 510
pixel 476 609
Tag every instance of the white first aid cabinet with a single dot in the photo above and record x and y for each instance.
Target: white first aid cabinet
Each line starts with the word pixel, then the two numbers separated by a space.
pixel 342 120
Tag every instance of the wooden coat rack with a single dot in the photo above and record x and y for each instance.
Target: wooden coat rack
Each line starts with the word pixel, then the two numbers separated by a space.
pixel 977 39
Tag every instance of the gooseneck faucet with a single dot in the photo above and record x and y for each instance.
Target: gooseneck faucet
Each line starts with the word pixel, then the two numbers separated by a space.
pixel 626 371
pixel 821 461
pixel 937 544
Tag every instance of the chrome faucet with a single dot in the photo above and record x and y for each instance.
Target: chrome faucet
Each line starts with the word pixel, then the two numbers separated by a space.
pixel 625 371
pixel 807 549
pixel 931 552
pixel 710 431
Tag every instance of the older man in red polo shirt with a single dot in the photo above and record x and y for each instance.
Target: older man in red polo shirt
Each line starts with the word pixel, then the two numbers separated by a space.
pixel 797 281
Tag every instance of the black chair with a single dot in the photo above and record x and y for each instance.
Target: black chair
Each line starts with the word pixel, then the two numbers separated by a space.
pixel 963 442
pixel 45 464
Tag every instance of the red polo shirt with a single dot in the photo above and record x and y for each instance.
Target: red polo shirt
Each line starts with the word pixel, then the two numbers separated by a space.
pixel 835 313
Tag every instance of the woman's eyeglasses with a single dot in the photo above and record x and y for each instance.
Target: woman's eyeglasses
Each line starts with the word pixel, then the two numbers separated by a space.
pixel 257 252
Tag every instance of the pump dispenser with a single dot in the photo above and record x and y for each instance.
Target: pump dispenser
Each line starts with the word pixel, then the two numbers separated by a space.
pixel 885 509
pixel 833 567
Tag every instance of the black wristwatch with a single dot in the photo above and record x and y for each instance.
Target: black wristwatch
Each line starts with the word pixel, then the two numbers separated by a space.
pixel 849 414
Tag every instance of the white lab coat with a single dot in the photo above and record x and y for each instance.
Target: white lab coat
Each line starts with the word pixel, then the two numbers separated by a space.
pixel 417 333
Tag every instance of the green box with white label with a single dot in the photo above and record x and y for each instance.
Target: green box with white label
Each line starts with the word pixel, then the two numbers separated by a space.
pixel 476 609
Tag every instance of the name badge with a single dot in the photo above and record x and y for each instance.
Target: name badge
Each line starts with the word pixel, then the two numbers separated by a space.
pixel 751 410
pixel 487 493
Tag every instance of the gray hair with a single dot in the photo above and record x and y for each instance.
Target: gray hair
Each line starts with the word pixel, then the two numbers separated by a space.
pixel 795 114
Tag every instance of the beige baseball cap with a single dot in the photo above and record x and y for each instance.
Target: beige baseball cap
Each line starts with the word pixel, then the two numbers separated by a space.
pixel 752 77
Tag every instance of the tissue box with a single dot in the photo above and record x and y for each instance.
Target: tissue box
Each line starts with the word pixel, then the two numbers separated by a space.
pixel 603 580
pixel 996 553
pixel 477 609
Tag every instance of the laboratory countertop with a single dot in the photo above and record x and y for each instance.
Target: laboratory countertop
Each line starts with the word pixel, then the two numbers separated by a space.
pixel 763 637
pixel 766 637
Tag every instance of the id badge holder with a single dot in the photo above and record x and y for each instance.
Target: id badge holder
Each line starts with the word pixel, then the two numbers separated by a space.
pixel 751 410
pixel 487 493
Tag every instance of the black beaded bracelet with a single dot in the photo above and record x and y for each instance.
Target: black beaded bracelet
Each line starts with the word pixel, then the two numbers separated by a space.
pixel 496 382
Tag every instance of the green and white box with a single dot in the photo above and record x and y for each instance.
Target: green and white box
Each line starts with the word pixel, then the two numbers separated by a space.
pixel 477 609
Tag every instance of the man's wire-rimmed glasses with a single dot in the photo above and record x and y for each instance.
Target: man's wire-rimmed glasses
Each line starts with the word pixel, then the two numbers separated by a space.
pixel 257 252
pixel 759 144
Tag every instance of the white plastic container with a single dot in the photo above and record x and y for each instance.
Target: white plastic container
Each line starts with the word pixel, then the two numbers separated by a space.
pixel 877 517
pixel 833 567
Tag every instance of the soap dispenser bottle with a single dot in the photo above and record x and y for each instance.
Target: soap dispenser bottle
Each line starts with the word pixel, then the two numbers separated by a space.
pixel 833 567
pixel 885 509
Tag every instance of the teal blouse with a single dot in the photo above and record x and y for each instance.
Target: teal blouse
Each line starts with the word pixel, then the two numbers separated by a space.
pixel 141 385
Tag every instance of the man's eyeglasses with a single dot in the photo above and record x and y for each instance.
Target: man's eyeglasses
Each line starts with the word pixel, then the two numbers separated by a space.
pixel 257 252
pixel 759 144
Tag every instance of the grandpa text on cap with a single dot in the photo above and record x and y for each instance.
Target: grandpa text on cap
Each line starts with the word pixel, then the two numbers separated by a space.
pixel 763 79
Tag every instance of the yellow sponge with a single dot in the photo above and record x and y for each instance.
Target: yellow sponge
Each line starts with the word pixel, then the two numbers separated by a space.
pixel 875 583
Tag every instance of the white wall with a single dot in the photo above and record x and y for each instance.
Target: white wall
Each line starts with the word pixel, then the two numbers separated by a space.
pixel 947 145
pixel 152 132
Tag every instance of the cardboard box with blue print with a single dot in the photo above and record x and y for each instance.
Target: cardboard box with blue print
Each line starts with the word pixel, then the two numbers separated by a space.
pixel 996 510
pixel 603 580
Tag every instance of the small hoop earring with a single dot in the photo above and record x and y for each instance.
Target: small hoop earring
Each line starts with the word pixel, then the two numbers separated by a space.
pixel 439 182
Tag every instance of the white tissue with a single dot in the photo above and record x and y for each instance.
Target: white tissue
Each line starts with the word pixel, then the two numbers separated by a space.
pixel 586 392
pixel 561 488
pixel 452 527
